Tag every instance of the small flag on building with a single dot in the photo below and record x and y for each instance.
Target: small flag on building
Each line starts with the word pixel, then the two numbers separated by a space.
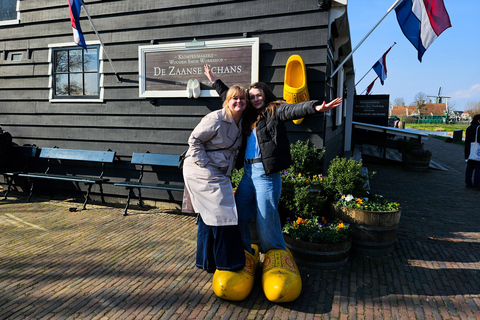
pixel 369 88
pixel 75 7
pixel 422 21
pixel 380 66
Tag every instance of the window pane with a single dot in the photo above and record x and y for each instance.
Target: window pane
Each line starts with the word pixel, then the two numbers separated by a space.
pixel 75 72
pixel 8 10
pixel 61 61
pixel 61 84
pixel 91 60
pixel 76 87
pixel 75 60
pixel 91 84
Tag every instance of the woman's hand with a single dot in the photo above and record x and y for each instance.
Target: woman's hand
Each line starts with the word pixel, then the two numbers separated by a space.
pixel 208 73
pixel 329 106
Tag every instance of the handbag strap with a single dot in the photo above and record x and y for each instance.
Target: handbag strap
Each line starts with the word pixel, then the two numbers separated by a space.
pixel 224 148
pixel 476 134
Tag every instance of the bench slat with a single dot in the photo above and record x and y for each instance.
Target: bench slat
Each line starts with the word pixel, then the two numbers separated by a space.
pixel 64 177
pixel 80 155
pixel 133 184
pixel 155 159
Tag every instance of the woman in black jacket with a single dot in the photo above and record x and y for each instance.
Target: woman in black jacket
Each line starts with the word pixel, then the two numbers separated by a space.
pixel 473 167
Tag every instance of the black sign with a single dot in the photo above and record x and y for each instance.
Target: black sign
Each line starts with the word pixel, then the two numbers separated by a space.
pixel 371 109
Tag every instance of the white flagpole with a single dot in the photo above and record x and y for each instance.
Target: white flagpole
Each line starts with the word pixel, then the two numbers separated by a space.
pixel 101 42
pixel 397 2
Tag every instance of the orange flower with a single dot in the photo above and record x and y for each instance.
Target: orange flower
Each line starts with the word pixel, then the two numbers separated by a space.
pixel 340 226
pixel 324 220
pixel 300 220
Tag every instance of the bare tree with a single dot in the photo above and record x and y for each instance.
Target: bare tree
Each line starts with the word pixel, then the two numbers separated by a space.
pixel 420 102
pixel 472 108
pixel 398 102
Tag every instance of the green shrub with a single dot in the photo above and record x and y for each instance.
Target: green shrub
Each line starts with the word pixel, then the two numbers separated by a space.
pixel 345 176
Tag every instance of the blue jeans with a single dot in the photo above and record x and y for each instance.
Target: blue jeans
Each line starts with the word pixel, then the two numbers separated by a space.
pixel 259 194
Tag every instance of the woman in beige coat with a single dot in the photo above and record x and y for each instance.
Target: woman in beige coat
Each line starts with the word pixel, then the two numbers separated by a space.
pixel 213 148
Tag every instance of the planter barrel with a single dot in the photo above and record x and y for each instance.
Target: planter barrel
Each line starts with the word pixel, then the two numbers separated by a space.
pixel 319 255
pixel 413 163
pixel 375 231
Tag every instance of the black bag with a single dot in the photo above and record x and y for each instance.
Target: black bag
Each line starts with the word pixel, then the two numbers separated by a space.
pixel 181 159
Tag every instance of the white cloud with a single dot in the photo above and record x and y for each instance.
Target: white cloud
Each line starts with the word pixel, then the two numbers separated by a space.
pixel 473 91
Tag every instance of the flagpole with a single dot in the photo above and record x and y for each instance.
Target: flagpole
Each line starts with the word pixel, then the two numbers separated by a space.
pixel 101 42
pixel 397 2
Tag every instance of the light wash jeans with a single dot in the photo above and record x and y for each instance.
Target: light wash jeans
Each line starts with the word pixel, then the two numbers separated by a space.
pixel 259 194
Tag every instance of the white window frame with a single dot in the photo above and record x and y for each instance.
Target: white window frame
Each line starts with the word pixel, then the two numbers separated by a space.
pixel 100 72
pixel 14 21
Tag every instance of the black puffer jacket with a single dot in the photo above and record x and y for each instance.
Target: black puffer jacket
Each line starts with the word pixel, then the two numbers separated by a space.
pixel 272 132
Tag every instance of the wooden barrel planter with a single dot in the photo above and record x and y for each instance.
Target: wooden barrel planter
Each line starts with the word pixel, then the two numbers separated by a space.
pixel 375 231
pixel 414 163
pixel 319 255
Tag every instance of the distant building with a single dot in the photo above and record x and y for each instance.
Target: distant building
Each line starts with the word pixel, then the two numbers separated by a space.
pixel 430 109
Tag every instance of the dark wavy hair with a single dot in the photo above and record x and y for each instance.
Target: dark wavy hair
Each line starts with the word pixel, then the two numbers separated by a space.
pixel 252 115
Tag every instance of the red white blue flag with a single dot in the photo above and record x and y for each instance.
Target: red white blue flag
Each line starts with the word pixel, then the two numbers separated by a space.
pixel 380 66
pixel 75 7
pixel 369 88
pixel 422 21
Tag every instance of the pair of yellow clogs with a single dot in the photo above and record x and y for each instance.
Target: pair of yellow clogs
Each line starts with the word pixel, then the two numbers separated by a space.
pixel 281 279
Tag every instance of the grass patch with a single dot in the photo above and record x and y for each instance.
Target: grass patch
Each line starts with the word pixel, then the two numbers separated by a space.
pixel 436 127
pixel 447 139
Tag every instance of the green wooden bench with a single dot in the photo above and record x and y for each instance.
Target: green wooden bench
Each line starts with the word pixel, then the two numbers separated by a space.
pixel 23 156
pixel 150 159
pixel 64 156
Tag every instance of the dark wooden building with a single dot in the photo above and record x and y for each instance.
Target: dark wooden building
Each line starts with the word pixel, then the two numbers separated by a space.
pixel 45 102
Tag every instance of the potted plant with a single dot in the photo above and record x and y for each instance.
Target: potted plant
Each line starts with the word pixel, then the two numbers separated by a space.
pixel 414 156
pixel 346 176
pixel 374 219
pixel 302 193
pixel 319 243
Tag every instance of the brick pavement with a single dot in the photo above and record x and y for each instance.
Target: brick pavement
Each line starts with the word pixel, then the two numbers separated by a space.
pixel 97 264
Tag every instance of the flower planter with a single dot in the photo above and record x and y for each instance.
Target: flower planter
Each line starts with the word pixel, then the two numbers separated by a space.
pixel 416 163
pixel 319 255
pixel 375 231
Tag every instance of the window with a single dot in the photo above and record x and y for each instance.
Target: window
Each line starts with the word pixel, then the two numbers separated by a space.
pixel 75 73
pixel 9 13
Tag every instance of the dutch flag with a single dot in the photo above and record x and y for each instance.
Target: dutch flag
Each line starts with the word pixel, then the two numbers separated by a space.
pixel 75 7
pixel 380 66
pixel 422 21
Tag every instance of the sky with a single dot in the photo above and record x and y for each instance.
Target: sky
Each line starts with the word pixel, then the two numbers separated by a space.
pixel 452 61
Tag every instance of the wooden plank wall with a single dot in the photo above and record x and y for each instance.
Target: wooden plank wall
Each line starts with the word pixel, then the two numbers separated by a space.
pixel 123 122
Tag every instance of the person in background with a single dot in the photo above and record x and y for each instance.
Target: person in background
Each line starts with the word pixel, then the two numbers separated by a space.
pixel 473 167
pixel 266 152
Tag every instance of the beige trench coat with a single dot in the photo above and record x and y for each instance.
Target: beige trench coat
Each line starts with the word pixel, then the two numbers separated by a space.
pixel 208 188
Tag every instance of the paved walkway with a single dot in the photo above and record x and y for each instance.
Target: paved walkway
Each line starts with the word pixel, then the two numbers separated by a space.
pixel 97 264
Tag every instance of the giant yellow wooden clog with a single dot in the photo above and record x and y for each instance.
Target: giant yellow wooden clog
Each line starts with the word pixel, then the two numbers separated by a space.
pixel 237 285
pixel 295 88
pixel 281 279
